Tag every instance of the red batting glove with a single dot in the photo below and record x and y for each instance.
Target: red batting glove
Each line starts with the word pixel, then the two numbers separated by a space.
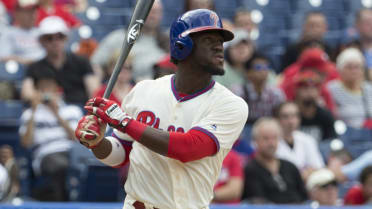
pixel 90 131
pixel 108 111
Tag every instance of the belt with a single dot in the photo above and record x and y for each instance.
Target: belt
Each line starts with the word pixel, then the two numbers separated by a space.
pixel 140 205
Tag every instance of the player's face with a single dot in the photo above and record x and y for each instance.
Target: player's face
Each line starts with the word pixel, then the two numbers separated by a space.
pixel 208 52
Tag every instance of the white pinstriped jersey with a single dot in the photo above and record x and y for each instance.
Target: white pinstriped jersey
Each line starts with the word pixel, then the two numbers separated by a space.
pixel 167 183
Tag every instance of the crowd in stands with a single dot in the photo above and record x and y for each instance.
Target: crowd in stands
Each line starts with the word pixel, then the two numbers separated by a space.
pixel 308 137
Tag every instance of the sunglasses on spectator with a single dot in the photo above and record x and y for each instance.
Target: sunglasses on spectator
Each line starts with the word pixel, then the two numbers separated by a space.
pixel 308 84
pixel 53 37
pixel 261 67
pixel 332 183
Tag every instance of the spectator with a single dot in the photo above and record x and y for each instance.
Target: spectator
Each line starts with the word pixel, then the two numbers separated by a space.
pixel 316 121
pixel 164 67
pixel 3 17
pixel 124 82
pixel 269 179
pixel 314 59
pixel 229 186
pixel 73 73
pixel 259 95
pixel 350 171
pixel 51 8
pixel 198 4
pixel 149 48
pixel 4 183
pixel 363 24
pixel 47 129
pixel 19 42
pixel 352 94
pixel 295 146
pixel 323 187
pixel 8 161
pixel 361 194
pixel 314 28
pixel 243 20
pixel 238 51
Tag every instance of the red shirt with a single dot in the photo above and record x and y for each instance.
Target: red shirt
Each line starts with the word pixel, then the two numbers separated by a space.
pixel 231 167
pixel 354 196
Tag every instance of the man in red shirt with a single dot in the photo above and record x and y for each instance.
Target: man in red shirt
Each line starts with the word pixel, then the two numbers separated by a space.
pixel 361 194
pixel 229 186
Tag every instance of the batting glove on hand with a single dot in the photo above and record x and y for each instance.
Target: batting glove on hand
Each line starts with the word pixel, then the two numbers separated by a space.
pixel 90 131
pixel 109 111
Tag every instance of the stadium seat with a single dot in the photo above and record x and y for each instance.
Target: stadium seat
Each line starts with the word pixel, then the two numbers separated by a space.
pixel 112 3
pixel 11 71
pixel 283 7
pixel 101 184
pixel 357 141
pixel 226 9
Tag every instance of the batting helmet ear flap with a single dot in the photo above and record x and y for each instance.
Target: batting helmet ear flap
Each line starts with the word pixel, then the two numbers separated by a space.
pixel 182 48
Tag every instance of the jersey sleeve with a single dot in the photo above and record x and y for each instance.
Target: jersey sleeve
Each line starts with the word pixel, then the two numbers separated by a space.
pixel 224 122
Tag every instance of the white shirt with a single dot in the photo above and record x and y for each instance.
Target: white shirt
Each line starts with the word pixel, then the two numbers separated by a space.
pixel 22 43
pixel 168 183
pixel 49 136
pixel 304 154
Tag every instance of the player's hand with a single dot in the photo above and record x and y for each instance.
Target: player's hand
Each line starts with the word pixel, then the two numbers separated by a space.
pixel 90 131
pixel 107 110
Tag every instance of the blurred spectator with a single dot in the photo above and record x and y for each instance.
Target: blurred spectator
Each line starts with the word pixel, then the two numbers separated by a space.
pixel 295 146
pixel 8 161
pixel 19 42
pixel 124 82
pixel 323 187
pixel 243 20
pixel 352 170
pixel 361 194
pixel 363 24
pixel 315 120
pixel 164 67
pixel 4 183
pixel 259 95
pixel 314 28
pixel 269 179
pixel 51 8
pixel 229 185
pixel 238 51
pixel 3 17
pixel 198 4
pixel 87 47
pixel 73 73
pixel 47 129
pixel 313 59
pixel 149 48
pixel 352 94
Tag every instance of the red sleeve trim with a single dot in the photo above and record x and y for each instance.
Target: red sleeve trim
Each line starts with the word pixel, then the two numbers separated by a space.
pixel 210 134
pixel 127 145
pixel 190 146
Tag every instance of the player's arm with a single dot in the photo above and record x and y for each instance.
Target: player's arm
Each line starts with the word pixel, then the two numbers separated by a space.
pixel 193 145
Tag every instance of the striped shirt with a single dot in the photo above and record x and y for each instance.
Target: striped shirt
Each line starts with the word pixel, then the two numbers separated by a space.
pixel 49 136
pixel 352 108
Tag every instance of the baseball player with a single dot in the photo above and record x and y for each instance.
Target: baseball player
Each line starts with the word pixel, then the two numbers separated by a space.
pixel 177 128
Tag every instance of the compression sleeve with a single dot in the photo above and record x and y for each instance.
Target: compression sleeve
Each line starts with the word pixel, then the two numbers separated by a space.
pixel 191 146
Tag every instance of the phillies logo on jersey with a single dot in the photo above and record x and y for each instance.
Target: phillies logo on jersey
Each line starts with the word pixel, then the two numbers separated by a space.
pixel 149 118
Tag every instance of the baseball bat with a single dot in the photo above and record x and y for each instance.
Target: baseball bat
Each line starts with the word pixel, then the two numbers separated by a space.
pixel 137 20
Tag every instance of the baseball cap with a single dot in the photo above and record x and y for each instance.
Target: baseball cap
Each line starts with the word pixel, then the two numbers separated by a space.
pixel 26 4
pixel 239 36
pixel 52 25
pixel 307 78
pixel 314 58
pixel 320 178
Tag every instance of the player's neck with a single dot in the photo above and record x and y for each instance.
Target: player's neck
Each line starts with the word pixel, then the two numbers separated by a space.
pixel 191 82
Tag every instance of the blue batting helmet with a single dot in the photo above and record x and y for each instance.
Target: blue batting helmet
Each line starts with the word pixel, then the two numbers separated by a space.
pixel 191 22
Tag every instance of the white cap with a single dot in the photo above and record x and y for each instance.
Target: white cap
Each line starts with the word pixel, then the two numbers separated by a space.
pixel 52 25
pixel 349 55
pixel 319 178
pixel 239 36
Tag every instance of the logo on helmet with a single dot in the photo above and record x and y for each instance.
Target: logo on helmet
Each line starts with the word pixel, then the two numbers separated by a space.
pixel 214 18
pixel 134 31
